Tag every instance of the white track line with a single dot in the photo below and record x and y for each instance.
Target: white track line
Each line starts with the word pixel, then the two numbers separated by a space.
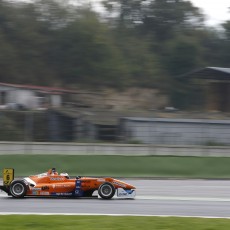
pixel 174 198
pixel 102 214
pixel 170 198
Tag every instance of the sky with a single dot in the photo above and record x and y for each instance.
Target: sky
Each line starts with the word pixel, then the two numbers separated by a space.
pixel 216 10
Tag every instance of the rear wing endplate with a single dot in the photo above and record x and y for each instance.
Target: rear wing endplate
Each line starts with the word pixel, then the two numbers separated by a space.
pixel 8 176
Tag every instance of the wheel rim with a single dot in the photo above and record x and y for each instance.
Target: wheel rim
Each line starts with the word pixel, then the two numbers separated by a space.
pixel 18 189
pixel 106 190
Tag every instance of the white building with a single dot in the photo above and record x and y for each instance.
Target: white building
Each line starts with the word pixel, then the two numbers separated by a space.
pixel 31 97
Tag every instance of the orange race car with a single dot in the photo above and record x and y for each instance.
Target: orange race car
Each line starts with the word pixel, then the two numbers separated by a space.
pixel 51 183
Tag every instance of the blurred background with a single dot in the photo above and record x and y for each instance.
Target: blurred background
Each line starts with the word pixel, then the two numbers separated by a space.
pixel 149 77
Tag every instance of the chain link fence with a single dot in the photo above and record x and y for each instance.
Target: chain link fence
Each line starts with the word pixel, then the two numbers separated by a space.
pixel 109 132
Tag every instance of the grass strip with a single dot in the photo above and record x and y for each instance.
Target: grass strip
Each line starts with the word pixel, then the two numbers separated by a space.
pixel 122 166
pixel 56 222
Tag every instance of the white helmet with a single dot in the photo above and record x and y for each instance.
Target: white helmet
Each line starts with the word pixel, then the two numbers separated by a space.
pixel 65 175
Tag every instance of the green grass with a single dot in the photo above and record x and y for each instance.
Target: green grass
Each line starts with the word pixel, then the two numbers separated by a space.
pixel 122 166
pixel 19 222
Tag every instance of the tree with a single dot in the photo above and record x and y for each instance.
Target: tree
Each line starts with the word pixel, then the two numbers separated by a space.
pixel 25 40
pixel 127 13
pixel 161 17
pixel 164 18
pixel 84 53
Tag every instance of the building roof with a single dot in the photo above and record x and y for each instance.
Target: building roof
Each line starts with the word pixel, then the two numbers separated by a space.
pixel 210 73
pixel 102 116
pixel 176 120
pixel 44 89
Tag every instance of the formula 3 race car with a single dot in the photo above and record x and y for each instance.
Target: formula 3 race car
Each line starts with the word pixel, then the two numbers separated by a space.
pixel 53 184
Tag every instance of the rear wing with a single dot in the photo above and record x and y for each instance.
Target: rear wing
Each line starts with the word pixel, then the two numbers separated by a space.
pixel 8 177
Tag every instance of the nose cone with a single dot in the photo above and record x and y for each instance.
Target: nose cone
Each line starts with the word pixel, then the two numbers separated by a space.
pixel 122 184
pixel 129 186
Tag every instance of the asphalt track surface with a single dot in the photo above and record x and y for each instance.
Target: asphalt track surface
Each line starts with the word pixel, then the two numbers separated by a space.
pixel 198 198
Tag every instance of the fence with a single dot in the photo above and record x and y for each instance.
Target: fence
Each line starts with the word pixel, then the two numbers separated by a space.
pixel 104 132
pixel 111 149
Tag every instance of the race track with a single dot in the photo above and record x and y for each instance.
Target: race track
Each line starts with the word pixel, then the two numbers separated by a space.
pixel 203 198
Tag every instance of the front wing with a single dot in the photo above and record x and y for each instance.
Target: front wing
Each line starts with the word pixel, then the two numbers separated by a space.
pixel 126 193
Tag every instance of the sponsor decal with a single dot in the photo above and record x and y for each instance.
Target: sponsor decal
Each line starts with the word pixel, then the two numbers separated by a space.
pixel 78 184
pixel 122 193
pixel 36 189
pixel 56 178
pixel 45 188
pixel 78 191
pixel 128 193
pixel 67 185
pixel 101 180
pixel 44 193
pixel 125 192
pixel 34 192
pixel 61 186
pixel 62 194
pixel 8 176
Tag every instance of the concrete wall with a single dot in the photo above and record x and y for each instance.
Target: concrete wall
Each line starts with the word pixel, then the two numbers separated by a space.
pixel 9 148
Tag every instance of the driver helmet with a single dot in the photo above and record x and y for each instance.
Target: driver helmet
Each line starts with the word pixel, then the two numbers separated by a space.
pixel 66 175
pixel 54 172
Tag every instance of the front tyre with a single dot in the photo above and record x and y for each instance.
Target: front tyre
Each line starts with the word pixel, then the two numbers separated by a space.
pixel 106 190
pixel 18 189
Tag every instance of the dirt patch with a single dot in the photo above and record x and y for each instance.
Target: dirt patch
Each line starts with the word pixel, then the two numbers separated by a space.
pixel 132 98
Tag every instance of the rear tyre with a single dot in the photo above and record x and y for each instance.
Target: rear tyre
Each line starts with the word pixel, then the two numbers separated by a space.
pixel 106 190
pixel 18 189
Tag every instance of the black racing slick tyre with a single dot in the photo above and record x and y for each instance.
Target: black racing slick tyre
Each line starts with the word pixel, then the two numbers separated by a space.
pixel 18 189
pixel 106 190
